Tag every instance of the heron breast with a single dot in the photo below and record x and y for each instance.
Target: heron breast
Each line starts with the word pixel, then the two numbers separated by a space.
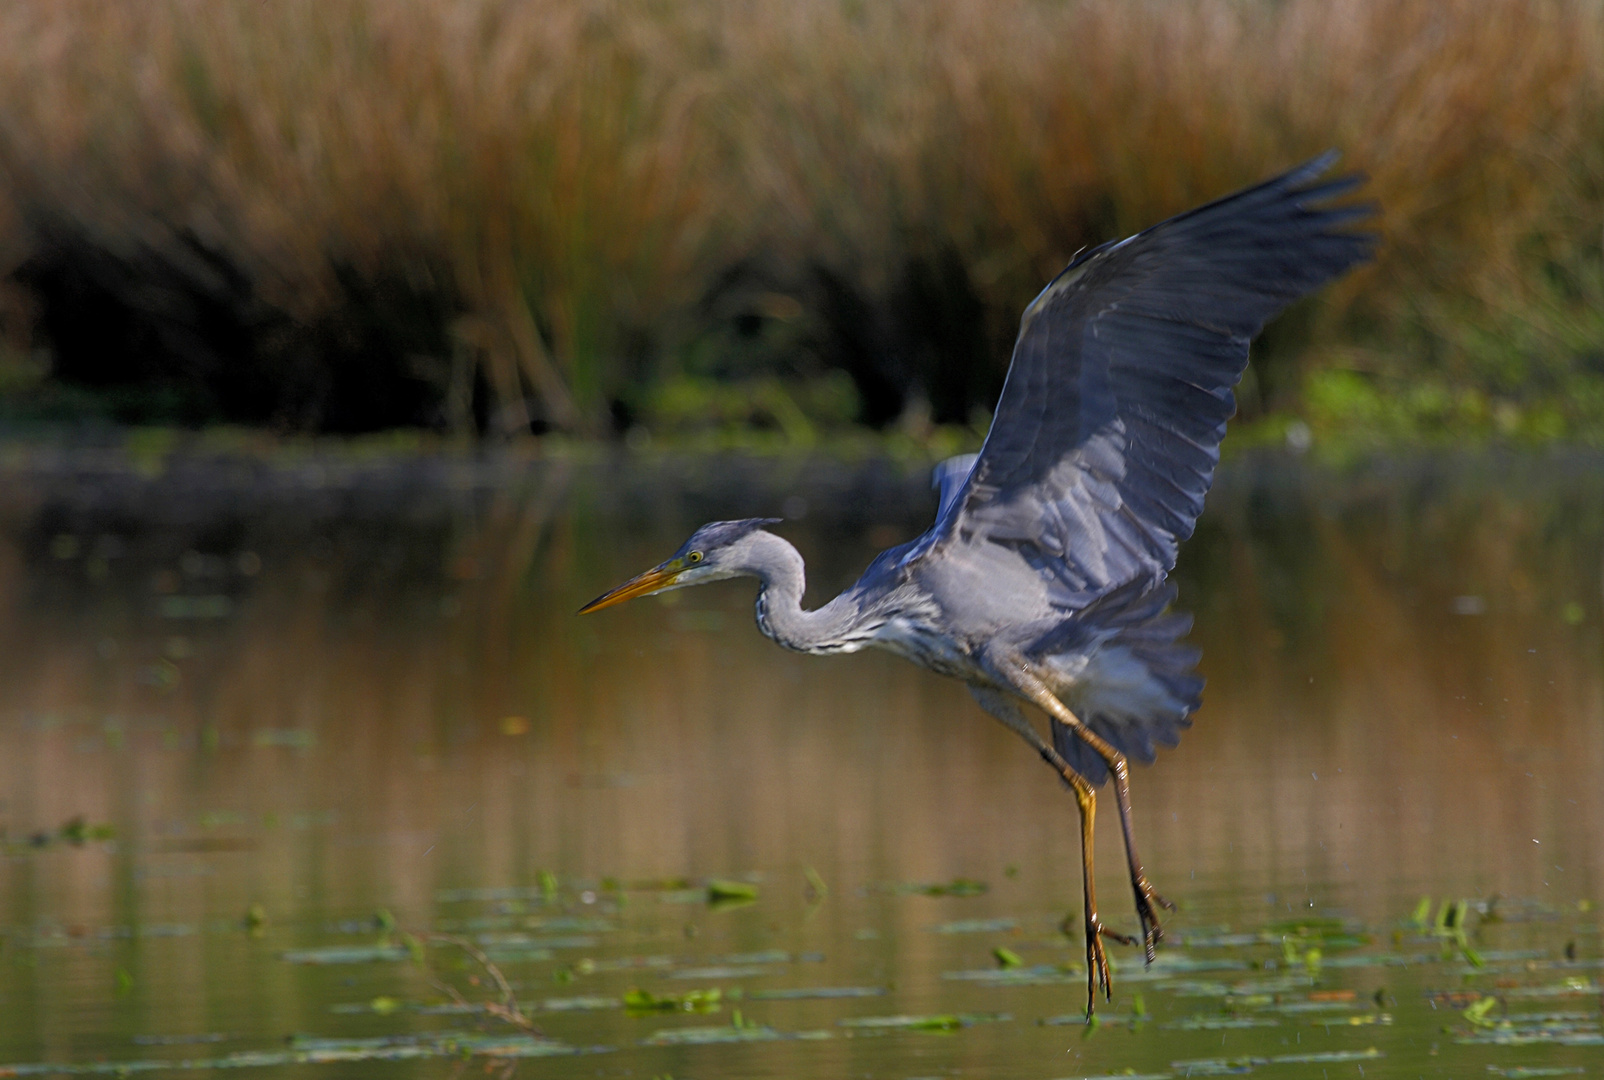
pixel 926 646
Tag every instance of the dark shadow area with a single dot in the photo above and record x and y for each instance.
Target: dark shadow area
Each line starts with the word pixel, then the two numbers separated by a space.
pixel 181 334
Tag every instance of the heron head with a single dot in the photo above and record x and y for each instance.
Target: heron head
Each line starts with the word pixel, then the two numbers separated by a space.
pixel 713 553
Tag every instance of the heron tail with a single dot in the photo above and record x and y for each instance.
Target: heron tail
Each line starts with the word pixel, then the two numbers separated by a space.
pixel 1140 688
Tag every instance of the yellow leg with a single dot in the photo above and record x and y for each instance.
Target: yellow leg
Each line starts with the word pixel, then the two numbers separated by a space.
pixel 1020 675
pixel 1097 972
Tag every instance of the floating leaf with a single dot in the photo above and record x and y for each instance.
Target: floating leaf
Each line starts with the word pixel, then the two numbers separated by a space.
pixel 639 1001
pixel 724 893
pixel 955 887
pixel 1312 927
pixel 1006 958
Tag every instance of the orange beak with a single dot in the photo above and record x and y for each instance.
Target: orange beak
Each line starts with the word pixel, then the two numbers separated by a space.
pixel 659 577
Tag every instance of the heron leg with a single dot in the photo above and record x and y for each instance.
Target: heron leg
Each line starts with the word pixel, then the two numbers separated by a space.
pixel 1097 972
pixel 1031 686
pixel 1146 895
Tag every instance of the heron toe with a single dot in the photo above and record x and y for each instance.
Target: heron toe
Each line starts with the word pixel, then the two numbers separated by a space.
pixel 1152 930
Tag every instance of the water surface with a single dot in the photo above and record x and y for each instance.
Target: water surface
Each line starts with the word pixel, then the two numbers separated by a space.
pixel 270 726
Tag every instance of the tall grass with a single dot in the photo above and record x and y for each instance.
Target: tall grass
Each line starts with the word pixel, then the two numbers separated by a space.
pixel 572 179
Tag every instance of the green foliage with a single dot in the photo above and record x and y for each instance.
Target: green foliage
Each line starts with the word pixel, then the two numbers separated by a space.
pixel 800 411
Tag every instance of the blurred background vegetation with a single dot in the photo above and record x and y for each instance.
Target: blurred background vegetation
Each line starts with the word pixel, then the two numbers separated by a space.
pixel 793 220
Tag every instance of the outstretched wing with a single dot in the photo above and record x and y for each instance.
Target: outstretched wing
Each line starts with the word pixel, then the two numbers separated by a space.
pixel 948 479
pixel 1108 431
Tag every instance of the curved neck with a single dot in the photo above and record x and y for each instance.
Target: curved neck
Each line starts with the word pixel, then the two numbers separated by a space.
pixel 779 569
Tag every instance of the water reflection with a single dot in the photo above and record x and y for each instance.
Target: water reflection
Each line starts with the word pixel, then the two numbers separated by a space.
pixel 327 685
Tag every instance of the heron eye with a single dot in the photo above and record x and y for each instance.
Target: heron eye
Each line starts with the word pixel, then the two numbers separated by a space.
pixel 695 556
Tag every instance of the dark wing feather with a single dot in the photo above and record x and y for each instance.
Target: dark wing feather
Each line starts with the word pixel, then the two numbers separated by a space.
pixel 1108 431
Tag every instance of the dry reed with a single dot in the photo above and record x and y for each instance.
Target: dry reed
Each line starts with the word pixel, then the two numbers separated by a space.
pixel 574 175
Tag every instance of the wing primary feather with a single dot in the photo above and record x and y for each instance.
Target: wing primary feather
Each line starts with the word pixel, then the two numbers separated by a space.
pixel 1108 430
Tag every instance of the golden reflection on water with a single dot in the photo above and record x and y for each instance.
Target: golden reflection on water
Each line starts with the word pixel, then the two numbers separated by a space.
pixel 324 692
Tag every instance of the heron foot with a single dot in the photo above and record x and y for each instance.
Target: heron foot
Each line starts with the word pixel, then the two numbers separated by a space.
pixel 1097 973
pixel 1146 898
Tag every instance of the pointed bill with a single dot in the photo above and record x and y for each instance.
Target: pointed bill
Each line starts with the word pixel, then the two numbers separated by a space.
pixel 659 577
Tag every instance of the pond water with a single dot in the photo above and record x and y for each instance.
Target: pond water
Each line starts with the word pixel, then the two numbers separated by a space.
pixel 301 753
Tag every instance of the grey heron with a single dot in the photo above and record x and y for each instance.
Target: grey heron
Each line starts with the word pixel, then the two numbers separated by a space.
pixel 1043 581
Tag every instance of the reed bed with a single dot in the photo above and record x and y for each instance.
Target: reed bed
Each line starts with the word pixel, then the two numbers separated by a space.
pixel 567 189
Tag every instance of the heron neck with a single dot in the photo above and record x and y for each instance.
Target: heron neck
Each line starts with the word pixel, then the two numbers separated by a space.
pixel 782 580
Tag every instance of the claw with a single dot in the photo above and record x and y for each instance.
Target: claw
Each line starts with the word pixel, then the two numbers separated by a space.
pixel 1152 931
pixel 1097 964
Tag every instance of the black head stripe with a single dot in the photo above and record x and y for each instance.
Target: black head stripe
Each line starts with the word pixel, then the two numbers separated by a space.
pixel 720 533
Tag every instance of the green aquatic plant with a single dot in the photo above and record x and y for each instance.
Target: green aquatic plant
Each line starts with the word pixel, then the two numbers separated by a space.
pixel 255 921
pixel 638 1002
pixel 1450 926
pixel 725 891
pixel 956 887
pixel 1476 1013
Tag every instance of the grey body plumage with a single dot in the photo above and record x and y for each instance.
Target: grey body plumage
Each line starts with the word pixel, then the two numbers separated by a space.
pixel 1043 579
